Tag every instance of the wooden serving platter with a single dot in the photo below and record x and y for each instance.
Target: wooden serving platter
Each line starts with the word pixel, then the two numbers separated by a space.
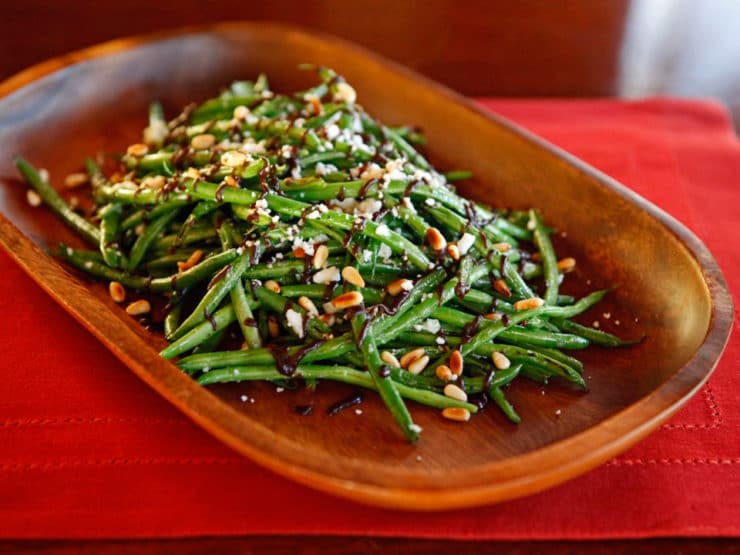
pixel 669 286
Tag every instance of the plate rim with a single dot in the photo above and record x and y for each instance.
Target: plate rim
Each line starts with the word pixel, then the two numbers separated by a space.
pixel 615 433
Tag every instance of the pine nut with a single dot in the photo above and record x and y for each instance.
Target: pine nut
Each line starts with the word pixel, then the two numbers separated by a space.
pixel 308 305
pixel 272 285
pixel 411 356
pixel 137 308
pixel 117 292
pixel 241 113
pixel 435 239
pixel 418 365
pixel 192 260
pixel 453 251
pixel 493 316
pixel 33 198
pixel 233 158
pixel 273 327
pixel 138 150
pixel 74 180
pixel 320 256
pixel 328 319
pixel 348 300
pixel 155 182
pixel 390 359
pixel 502 247
pixel 455 392
pixel 351 275
pixel 456 362
pixel 203 141
pixel 527 304
pixel 500 360
pixel 457 414
pixel 501 286
pixel 395 287
pixel 567 265
pixel 315 103
pixel 345 93
pixel 443 372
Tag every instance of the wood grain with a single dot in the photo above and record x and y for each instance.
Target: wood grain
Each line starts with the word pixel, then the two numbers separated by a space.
pixel 670 287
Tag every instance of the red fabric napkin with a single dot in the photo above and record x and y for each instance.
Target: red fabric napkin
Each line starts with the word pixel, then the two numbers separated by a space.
pixel 87 450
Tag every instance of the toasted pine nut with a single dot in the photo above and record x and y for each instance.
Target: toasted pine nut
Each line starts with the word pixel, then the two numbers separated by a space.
pixel 315 103
pixel 348 300
pixel 203 141
pixel 502 247
pixel 74 180
pixel 327 275
pixel 455 392
pixel 456 362
pixel 117 292
pixel 567 265
pixel 233 158
pixel 298 252
pixel 191 261
pixel 390 359
pixel 457 414
pixel 443 372
pixel 33 198
pixel 320 256
pixel 526 304
pixel 453 251
pixel 501 286
pixel 230 181
pixel 345 93
pixel 351 275
pixel 137 308
pixel 241 113
pixel 272 285
pixel 137 150
pixel 418 365
pixel 273 327
pixel 494 316
pixel 155 182
pixel 308 305
pixel 435 239
pixel 328 319
pixel 411 356
pixel 395 287
pixel 500 360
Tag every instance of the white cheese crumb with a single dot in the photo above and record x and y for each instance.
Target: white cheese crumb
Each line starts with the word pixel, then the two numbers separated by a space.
pixel 384 252
pixel 408 285
pixel 415 428
pixel 327 275
pixel 295 322
pixel 358 411
pixel 430 202
pixel 383 231
pixel 279 389
pixel 440 340
pixel 466 241
pixel 558 412
pixel 332 131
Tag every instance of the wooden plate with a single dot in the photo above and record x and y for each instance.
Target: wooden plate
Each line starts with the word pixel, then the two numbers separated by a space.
pixel 670 288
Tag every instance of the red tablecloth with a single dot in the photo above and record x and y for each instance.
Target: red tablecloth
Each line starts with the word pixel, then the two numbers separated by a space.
pixel 87 450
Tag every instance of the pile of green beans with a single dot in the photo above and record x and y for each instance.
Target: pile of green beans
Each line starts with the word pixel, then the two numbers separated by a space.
pixel 295 237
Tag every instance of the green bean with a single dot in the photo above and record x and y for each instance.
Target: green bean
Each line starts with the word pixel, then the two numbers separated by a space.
pixel 549 260
pixel 52 199
pixel 109 225
pixel 196 334
pixel 150 234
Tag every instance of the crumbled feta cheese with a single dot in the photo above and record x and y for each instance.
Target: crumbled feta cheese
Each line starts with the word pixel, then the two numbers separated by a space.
pixel 430 202
pixel 286 151
pixel 408 285
pixel 383 231
pixel 295 322
pixel 466 241
pixel 327 275
pixel 384 252
pixel 332 131
pixel 324 169
pixel 261 203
